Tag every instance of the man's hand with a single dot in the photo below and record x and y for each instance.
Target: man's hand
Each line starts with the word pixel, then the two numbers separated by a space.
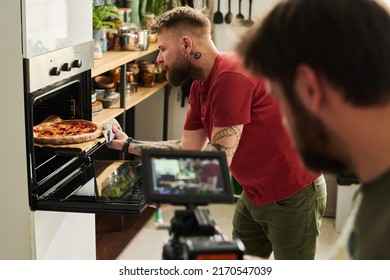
pixel 119 140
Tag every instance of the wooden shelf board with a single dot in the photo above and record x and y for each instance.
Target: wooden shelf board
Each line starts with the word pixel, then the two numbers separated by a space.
pixel 142 94
pixel 106 114
pixel 112 59
pixel 131 100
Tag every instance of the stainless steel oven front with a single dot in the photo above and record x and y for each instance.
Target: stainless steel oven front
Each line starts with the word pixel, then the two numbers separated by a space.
pixel 66 178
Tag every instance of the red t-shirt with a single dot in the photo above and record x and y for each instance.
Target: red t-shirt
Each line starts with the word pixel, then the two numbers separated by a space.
pixel 265 163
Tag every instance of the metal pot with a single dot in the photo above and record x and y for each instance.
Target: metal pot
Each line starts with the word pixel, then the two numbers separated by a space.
pixel 129 41
pixel 135 40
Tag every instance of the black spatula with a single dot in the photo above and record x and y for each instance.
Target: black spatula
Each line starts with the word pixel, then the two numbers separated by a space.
pixel 249 22
pixel 218 16
pixel 239 16
pixel 228 16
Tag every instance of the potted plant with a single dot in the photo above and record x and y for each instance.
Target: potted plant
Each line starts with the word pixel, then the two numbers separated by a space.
pixel 104 17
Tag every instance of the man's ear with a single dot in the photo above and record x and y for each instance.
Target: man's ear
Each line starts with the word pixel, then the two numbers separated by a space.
pixel 187 43
pixel 308 87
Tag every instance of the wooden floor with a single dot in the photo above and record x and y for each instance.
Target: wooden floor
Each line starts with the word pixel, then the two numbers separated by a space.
pixel 114 232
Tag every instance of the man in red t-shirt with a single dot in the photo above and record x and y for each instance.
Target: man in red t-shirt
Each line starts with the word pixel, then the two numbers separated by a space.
pixel 282 204
pixel 210 177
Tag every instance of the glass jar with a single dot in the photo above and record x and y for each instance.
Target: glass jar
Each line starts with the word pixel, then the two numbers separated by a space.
pixel 160 73
pixel 127 88
pixel 148 75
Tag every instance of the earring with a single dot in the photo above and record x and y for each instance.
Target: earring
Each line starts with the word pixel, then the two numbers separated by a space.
pixel 187 56
pixel 196 55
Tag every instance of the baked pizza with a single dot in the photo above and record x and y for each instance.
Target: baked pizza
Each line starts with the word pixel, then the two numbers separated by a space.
pixel 66 132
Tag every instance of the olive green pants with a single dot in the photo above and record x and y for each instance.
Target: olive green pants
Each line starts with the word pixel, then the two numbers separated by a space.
pixel 289 227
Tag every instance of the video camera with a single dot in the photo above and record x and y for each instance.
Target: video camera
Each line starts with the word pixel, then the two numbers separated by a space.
pixel 191 178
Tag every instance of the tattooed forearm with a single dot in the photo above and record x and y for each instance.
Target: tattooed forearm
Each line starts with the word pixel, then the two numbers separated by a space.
pixel 226 140
pixel 228 150
pixel 137 146
pixel 227 132
pixel 219 147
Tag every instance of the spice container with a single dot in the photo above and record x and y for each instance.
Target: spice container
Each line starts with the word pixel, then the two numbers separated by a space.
pixel 129 82
pixel 127 88
pixel 133 87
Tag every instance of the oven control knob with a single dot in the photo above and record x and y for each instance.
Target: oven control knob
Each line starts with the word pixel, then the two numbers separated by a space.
pixel 77 63
pixel 55 71
pixel 66 67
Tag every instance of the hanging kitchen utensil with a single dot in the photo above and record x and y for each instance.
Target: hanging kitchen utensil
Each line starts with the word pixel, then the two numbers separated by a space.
pixel 229 15
pixel 249 22
pixel 239 16
pixel 218 16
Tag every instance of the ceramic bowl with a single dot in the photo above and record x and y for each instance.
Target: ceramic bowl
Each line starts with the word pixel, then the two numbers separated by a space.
pixel 105 82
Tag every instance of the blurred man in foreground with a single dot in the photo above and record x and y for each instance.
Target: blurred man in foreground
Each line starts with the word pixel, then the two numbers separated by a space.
pixel 328 64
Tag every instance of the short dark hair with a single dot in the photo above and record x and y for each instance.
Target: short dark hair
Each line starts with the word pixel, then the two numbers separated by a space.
pixel 183 18
pixel 346 41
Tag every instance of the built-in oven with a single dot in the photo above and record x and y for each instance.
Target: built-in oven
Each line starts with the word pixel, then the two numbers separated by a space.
pixel 64 177
pixel 57 82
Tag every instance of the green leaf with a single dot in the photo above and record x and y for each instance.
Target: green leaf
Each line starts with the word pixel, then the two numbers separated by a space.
pixel 103 15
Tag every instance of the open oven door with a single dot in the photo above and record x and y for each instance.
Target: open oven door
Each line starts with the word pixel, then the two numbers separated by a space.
pixel 76 183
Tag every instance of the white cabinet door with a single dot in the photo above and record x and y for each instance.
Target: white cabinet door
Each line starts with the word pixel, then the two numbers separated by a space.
pixel 63 236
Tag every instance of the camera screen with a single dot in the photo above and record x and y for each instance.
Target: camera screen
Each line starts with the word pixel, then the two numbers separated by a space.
pixel 186 177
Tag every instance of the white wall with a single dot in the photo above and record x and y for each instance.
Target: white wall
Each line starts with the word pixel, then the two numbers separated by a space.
pixel 177 114
pixel 149 117
pixel 227 35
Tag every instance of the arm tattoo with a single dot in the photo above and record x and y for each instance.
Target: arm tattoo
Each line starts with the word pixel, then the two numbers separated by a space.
pixel 137 146
pixel 224 133
pixel 219 147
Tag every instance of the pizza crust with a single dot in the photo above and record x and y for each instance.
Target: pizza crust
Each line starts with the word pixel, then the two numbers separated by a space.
pixel 67 139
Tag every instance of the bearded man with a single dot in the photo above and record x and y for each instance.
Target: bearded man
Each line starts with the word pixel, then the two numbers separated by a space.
pixel 282 204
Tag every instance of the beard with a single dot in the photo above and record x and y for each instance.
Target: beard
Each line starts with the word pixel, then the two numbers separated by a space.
pixel 181 71
pixel 320 149
pixel 178 73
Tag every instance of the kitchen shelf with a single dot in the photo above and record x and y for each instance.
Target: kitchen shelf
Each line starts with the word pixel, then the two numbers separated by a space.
pixel 106 115
pixel 141 94
pixel 113 59
pixel 118 58
pixel 132 100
